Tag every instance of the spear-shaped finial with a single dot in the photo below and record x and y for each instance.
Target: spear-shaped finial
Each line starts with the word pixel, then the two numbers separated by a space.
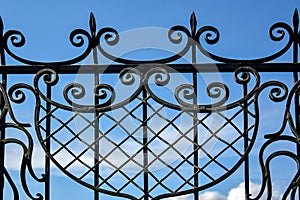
pixel 296 19
pixel 92 25
pixel 193 23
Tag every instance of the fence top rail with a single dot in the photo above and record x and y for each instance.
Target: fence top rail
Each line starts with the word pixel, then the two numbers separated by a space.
pixel 180 68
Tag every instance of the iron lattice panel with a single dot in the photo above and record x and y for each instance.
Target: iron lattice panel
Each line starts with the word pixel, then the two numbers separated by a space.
pixel 137 147
pixel 142 144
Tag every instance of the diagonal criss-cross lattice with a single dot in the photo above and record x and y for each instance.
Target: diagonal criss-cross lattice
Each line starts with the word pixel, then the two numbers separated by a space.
pixel 166 158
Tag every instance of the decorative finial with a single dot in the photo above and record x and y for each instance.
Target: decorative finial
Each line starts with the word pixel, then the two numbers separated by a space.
pixel 92 25
pixel 296 19
pixel 193 23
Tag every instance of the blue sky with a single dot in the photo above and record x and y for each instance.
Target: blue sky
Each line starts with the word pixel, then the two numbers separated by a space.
pixel 243 25
pixel 238 21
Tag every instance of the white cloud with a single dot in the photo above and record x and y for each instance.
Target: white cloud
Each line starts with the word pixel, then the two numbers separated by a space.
pixel 236 193
pixel 239 192
pixel 14 156
pixel 212 195
pixel 186 197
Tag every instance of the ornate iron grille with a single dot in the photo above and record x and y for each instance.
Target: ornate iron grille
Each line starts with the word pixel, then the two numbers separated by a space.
pixel 140 132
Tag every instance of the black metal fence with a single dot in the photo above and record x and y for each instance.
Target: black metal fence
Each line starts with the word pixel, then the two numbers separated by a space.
pixel 147 129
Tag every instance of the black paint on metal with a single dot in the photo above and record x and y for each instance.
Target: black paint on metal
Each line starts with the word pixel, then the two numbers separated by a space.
pixel 138 74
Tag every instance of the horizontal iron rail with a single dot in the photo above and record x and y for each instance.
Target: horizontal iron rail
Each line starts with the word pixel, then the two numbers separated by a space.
pixel 116 68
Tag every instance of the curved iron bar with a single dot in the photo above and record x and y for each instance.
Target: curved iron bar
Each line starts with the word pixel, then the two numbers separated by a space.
pixel 214 90
pixel 50 77
pixel 78 91
pixel 277 136
pixel 11 183
pixel 26 162
pixel 287 115
pixel 175 40
pixel 17 39
pixel 27 149
pixel 114 40
pixel 111 37
pixel 126 77
pixel 241 76
pixel 17 125
pixel 6 107
pixel 281 26
pixel 265 167
pixel 278 94
pixel 294 183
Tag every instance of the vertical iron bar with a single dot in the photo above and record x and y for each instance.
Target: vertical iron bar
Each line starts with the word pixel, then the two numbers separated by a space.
pixel 145 147
pixel 2 149
pixel 196 163
pixel 296 78
pixel 48 132
pixel 96 130
pixel 246 124
pixel 193 23
pixel 3 120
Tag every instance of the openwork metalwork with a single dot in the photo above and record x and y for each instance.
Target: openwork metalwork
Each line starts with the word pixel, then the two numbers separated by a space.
pixel 133 140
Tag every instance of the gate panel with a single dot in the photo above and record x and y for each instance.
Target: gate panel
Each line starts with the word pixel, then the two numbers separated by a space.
pixel 141 129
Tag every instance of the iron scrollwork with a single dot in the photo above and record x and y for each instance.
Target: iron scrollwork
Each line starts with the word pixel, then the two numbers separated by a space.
pixel 242 76
pixel 184 146
pixel 26 163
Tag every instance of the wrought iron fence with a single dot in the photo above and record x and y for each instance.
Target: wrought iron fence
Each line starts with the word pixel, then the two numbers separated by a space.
pixel 140 132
